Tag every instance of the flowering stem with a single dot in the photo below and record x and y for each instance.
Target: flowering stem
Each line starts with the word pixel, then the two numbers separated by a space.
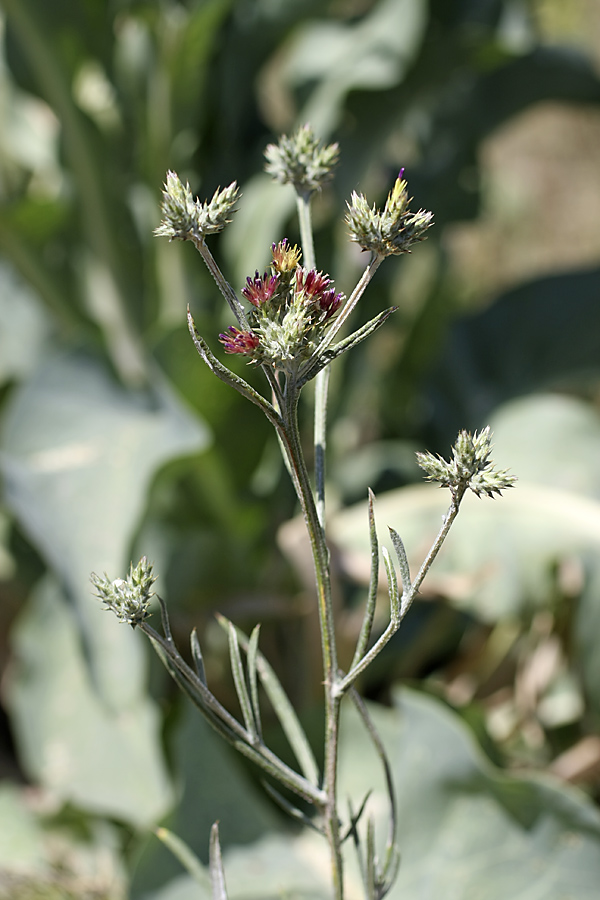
pixel 291 439
pixel 314 514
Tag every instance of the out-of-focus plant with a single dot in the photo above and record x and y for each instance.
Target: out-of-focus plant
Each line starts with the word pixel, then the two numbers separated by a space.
pixel 290 331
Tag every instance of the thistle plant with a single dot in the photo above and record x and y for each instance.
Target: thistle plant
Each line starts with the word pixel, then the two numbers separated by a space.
pixel 288 322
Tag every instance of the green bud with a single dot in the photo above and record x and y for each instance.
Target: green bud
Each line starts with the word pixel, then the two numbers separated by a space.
pixel 129 598
pixel 391 231
pixel 301 160
pixel 184 217
pixel 471 467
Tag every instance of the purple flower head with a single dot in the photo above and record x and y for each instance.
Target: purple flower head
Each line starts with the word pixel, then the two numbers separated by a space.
pixel 329 303
pixel 316 289
pixel 259 290
pixel 237 341
pixel 401 174
pixel 312 283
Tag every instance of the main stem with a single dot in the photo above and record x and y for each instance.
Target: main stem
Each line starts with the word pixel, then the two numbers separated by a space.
pixel 291 439
pixel 314 514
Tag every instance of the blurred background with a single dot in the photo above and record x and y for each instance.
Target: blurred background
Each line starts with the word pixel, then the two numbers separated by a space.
pixel 116 441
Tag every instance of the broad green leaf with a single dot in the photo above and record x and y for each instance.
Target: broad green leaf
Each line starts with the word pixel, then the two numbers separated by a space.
pixel 550 335
pixel 25 327
pixel 21 836
pixel 468 831
pixel 78 455
pixel 83 751
pixel 43 859
pixel 372 53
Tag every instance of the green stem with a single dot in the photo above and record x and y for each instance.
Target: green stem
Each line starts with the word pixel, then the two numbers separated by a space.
pixel 291 439
pixel 322 379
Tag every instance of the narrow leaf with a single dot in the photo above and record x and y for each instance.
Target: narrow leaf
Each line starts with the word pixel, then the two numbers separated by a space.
pixel 217 873
pixel 239 679
pixel 284 711
pixel 367 625
pixel 322 358
pixel 392 587
pixel 402 559
pixel 164 617
pixel 185 855
pixel 371 866
pixel 197 656
pixel 253 677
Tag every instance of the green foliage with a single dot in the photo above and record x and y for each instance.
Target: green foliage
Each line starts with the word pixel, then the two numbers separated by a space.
pixel 110 424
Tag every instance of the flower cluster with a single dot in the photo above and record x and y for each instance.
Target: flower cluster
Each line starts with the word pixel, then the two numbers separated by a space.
pixel 291 305
pixel 301 160
pixel 128 598
pixel 471 466
pixel 391 231
pixel 184 217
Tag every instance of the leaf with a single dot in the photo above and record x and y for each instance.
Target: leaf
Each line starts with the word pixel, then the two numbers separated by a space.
pixel 25 327
pixel 70 740
pixel 78 455
pixel 467 830
pixel 45 858
pixel 21 835
pixel 185 855
pixel 239 680
pixel 284 711
pixel 550 331
pixel 217 874
pixel 372 53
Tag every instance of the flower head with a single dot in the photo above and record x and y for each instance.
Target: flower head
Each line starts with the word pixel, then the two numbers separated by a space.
pixel 260 290
pixel 185 217
pixel 128 598
pixel 285 258
pixel 236 341
pixel 471 466
pixel 392 230
pixel 314 288
pixel 301 160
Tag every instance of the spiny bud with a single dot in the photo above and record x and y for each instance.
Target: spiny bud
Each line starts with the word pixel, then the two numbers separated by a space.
pixel 128 598
pixel 391 231
pixel 471 467
pixel 301 160
pixel 185 217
